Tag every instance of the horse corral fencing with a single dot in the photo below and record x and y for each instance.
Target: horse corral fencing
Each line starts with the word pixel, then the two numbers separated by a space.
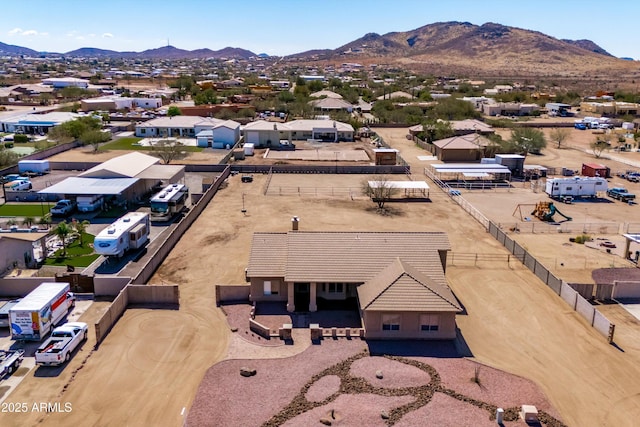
pixel 163 250
pixel 351 192
pixel 534 227
pixel 564 290
pixel 135 294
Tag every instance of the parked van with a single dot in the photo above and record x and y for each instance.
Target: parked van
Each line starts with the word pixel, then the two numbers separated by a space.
pixel 19 185
pixel 4 313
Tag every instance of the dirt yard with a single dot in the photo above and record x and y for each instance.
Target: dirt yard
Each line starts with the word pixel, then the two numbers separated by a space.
pixel 512 321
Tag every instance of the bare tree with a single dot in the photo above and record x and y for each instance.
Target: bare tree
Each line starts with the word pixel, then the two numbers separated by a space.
pixel 168 150
pixel 380 189
pixel 599 145
pixel 559 135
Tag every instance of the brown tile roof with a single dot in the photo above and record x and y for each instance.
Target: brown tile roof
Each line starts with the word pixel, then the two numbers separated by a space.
pixel 463 142
pixel 400 287
pixel 268 257
pixel 353 257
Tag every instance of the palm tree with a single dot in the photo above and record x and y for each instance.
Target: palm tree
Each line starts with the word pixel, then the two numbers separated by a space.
pixel 80 228
pixel 62 230
pixel 45 220
pixel 28 221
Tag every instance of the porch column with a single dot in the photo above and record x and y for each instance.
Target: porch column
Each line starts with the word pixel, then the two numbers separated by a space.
pixel 291 307
pixel 313 306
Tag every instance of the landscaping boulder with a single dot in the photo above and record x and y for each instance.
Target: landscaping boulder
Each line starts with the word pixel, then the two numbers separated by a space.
pixel 384 415
pixel 379 374
pixel 247 372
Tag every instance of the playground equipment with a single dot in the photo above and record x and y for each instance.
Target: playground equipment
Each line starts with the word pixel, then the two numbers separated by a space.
pixel 546 210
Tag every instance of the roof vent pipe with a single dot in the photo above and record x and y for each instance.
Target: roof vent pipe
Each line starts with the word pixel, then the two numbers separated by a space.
pixel 294 223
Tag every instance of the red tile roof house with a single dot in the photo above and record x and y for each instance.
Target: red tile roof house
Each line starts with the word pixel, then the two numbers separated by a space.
pixel 397 278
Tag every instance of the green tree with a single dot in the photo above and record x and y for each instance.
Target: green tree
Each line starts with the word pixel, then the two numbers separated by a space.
pixel 527 140
pixel 8 157
pixel 95 138
pixel 173 111
pixel 600 144
pixel 381 191
pixel 168 150
pixel 80 227
pixel 28 221
pixel 62 231
pixel 559 135
pixel 454 109
pixel 434 130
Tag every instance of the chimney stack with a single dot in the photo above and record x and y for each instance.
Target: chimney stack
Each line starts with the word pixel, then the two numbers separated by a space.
pixel 294 223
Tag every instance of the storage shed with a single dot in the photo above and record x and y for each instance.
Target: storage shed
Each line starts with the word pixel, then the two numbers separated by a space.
pixel 385 156
pixel 595 169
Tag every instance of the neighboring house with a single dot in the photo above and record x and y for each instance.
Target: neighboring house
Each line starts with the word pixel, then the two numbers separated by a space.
pixel 509 109
pixel 16 249
pixel 182 126
pixel 461 127
pixel 395 95
pixel 34 123
pixel 463 148
pixel 325 94
pixel 395 280
pixel 610 108
pixel 113 103
pixel 222 135
pixel 267 134
pixel 125 178
pixel 62 82
pixel 331 104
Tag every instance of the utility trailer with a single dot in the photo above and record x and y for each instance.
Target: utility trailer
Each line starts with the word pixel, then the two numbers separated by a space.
pixel 10 360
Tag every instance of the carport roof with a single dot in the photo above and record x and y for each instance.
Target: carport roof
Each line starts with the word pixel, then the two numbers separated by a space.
pixel 90 186
pixel 162 172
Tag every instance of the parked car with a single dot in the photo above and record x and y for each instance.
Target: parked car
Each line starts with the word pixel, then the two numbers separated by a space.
pixel 621 194
pixel 64 207
pixel 23 184
pixel 580 126
pixel 633 177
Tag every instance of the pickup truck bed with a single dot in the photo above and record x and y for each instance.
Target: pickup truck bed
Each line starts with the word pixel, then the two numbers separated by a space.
pixel 63 341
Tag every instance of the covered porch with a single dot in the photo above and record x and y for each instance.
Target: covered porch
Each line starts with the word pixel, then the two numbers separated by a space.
pixel 311 296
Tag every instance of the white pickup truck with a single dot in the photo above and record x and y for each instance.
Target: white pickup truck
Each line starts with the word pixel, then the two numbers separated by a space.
pixel 58 348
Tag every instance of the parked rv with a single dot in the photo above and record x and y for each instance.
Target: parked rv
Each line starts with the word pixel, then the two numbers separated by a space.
pixel 89 203
pixel 58 348
pixel 128 232
pixel 560 188
pixel 34 316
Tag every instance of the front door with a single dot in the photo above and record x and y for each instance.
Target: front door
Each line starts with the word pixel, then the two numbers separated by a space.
pixel 301 296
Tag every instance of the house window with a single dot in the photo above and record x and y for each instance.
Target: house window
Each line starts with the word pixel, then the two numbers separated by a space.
pixel 143 131
pixel 335 288
pixel 390 322
pixel 429 322
pixel 267 287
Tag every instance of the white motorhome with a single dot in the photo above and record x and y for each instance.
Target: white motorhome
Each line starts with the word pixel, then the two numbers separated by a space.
pixel 33 317
pixel 130 231
pixel 577 186
pixel 89 203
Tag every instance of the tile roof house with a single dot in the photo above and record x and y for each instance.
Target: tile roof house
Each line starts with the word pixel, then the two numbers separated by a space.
pixel 262 133
pixel 463 148
pixel 396 278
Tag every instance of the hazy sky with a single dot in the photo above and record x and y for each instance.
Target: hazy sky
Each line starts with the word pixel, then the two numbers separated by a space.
pixel 280 27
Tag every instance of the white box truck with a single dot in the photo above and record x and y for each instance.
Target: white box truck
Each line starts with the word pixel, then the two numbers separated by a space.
pixel 38 167
pixel 33 317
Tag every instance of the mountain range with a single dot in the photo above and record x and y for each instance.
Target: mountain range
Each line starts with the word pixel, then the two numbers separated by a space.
pixel 452 47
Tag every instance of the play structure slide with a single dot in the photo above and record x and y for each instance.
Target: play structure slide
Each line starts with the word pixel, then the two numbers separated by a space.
pixel 546 210
pixel 553 210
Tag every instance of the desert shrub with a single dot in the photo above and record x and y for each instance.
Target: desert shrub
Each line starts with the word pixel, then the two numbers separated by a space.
pixel 20 138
